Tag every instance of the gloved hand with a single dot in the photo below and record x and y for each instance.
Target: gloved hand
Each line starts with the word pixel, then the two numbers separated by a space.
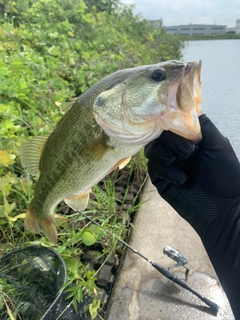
pixel 199 181
pixel 202 183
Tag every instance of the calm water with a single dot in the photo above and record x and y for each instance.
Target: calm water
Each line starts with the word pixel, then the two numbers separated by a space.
pixel 220 83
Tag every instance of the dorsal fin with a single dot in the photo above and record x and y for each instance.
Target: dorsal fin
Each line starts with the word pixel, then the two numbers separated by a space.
pixel 70 104
pixel 30 153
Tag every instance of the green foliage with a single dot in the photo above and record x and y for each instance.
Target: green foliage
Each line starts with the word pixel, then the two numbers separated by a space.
pixel 51 51
pixel 89 237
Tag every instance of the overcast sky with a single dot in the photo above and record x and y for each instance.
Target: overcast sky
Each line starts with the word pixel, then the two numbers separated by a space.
pixel 177 12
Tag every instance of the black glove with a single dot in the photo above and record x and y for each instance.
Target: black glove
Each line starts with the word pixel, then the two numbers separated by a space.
pixel 202 183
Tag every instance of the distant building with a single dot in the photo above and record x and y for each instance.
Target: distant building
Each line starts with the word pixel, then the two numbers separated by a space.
pixel 231 29
pixel 197 29
pixel 238 26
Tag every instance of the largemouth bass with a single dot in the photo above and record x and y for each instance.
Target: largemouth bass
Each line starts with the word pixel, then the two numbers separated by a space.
pixel 105 126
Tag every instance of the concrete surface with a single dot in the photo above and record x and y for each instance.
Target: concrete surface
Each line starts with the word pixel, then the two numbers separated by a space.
pixel 141 293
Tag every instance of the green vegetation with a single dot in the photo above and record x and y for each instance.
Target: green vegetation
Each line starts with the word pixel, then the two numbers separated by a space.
pixel 228 35
pixel 50 52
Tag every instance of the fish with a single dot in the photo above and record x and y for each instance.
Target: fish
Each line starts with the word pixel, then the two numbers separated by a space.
pixel 103 129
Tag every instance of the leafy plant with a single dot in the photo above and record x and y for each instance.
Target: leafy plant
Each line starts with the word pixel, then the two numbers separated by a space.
pixel 50 52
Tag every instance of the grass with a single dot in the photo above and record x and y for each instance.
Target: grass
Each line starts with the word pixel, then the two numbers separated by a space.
pixel 110 206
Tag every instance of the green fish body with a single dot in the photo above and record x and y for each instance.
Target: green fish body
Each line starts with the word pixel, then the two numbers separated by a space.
pixel 105 126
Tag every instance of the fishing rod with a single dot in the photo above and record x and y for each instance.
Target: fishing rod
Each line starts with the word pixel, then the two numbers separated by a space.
pixel 181 261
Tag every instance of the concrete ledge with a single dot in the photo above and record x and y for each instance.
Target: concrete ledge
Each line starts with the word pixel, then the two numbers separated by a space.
pixel 141 292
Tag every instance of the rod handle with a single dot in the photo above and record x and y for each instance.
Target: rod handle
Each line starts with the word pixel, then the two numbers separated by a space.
pixel 213 306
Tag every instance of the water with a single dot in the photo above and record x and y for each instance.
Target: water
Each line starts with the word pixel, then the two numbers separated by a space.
pixel 220 83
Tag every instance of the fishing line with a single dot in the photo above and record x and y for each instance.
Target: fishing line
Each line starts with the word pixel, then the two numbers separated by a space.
pixel 213 306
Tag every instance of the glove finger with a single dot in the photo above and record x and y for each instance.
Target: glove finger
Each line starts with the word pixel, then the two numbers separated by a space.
pixel 169 148
pixel 217 167
pixel 159 172
pixel 212 138
pixel 156 151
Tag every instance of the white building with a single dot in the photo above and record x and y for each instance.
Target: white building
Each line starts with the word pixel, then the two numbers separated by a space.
pixel 197 29
pixel 238 26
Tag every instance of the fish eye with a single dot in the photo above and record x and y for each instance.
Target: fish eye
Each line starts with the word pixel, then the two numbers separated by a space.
pixel 158 75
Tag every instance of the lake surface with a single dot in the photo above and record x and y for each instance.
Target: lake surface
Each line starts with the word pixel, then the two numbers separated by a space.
pixel 220 83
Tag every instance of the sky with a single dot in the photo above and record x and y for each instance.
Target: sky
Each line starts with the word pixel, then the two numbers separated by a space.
pixel 177 12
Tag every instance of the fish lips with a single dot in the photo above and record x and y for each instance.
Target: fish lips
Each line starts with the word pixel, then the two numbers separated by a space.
pixel 189 95
pixel 182 115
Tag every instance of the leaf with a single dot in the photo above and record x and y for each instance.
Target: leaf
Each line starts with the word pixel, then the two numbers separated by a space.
pixel 70 34
pixel 5 185
pixel 9 207
pixel 94 229
pixel 73 266
pixel 4 84
pixel 11 316
pixel 58 104
pixel 79 294
pixel 2 212
pixel 93 308
pixel 19 216
pixel 88 237
pixel 2 32
pixel 5 158
pixel 55 50
pixel 76 237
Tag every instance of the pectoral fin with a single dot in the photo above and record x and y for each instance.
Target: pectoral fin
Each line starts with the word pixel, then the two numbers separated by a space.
pixel 30 153
pixel 123 163
pixel 79 202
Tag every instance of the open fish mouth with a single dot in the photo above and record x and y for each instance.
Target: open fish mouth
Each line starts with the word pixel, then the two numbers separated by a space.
pixel 189 93
pixel 185 103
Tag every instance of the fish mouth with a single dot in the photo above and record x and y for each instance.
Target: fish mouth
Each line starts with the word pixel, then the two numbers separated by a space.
pixel 189 93
pixel 184 110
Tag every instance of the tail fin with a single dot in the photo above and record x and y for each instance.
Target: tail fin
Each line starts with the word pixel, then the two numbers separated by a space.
pixel 35 224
